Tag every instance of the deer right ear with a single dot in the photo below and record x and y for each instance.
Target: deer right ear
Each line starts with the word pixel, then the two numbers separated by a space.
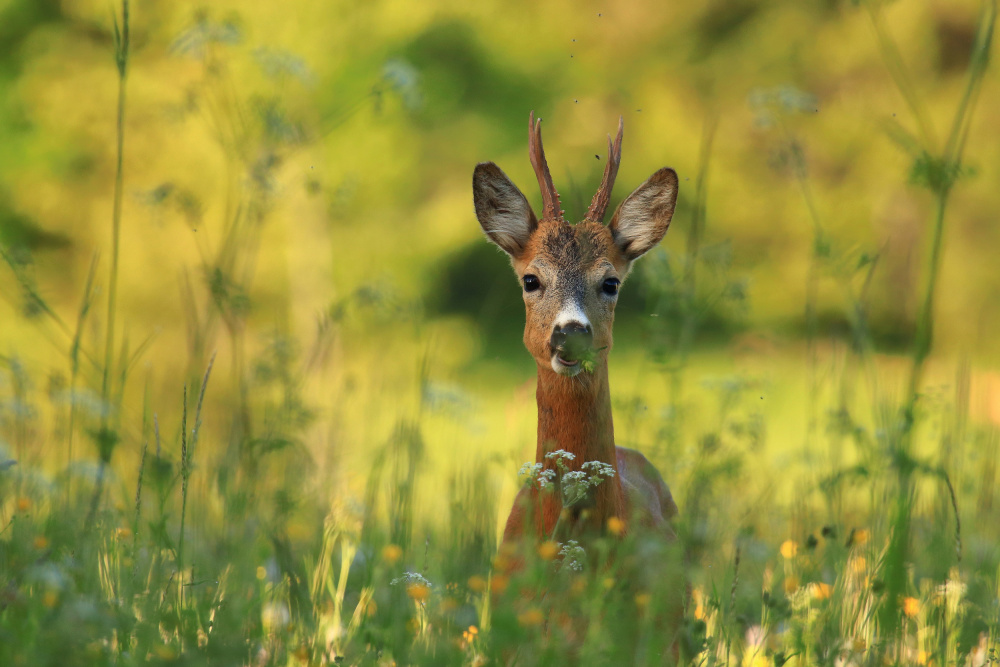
pixel 503 212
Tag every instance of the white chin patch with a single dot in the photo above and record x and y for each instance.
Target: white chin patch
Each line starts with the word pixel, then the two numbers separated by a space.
pixel 562 368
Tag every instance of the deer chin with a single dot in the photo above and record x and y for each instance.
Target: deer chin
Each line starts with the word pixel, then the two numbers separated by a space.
pixel 566 367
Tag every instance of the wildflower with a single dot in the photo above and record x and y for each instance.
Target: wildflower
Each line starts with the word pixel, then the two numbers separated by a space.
pixel 41 542
pixel 261 572
pixel 23 504
pixel 502 562
pixel 50 598
pixel 616 526
pixel 642 600
pixel 548 550
pixel 573 555
pixel 911 607
pixel 535 472
pixel 419 592
pixel 391 553
pixel 498 584
pixel 599 469
pixel 789 549
pixel 530 618
pixel 410 578
pixel 820 591
pixel 858 537
pixel 699 603
pixel 560 456
pixel 477 584
pixel 608 583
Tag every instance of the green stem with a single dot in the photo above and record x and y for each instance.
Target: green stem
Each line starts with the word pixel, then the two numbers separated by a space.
pixel 116 215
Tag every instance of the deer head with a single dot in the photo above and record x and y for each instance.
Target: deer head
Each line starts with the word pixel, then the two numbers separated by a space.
pixel 570 274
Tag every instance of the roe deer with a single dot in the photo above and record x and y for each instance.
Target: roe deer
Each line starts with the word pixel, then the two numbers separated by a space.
pixel 570 275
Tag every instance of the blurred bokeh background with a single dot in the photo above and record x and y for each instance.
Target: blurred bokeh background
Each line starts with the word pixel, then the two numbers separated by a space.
pixel 297 199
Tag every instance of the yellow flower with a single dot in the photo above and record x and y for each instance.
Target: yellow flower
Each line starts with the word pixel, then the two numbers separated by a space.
pixel 261 572
pixel 616 526
pixel 548 550
pixel 858 537
pixel 473 630
pixel 911 607
pixel 23 504
pixel 391 553
pixel 418 592
pixel 699 602
pixel 41 542
pixel 477 584
pixel 789 548
pixel 498 584
pixel 642 600
pixel 531 618
pixel 502 562
pixel 820 591
pixel 50 598
pixel 608 583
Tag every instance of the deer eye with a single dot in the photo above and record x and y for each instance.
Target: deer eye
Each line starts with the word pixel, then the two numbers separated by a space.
pixel 610 286
pixel 531 283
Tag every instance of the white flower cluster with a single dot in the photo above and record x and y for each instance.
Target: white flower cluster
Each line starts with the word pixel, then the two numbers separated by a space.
pixel 574 483
pixel 534 472
pixel 411 578
pixel 573 555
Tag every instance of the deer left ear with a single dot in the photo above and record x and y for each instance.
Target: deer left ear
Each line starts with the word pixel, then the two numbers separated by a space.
pixel 642 219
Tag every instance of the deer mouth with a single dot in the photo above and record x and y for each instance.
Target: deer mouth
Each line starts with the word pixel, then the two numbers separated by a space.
pixel 563 361
pixel 565 366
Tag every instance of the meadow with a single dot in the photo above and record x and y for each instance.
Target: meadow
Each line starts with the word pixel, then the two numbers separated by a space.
pixel 263 396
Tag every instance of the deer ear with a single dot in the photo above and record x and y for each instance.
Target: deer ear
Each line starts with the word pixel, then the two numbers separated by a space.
pixel 503 212
pixel 642 219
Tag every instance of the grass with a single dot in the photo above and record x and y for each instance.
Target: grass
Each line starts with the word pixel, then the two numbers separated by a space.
pixel 253 552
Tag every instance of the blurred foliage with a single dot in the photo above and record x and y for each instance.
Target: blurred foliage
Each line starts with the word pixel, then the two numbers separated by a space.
pixel 293 438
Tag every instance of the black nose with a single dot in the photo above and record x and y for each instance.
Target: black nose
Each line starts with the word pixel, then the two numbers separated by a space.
pixel 572 340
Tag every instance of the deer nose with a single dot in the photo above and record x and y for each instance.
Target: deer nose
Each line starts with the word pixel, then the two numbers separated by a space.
pixel 572 339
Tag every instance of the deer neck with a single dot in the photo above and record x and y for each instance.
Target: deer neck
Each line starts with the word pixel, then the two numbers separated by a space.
pixel 574 414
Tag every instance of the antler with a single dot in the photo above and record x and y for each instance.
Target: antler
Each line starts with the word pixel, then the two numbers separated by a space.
pixel 551 208
pixel 599 204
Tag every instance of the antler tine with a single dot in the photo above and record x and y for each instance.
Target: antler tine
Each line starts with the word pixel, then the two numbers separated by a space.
pixel 551 208
pixel 599 204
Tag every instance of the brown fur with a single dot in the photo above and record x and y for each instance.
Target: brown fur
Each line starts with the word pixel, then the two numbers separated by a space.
pixel 572 262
